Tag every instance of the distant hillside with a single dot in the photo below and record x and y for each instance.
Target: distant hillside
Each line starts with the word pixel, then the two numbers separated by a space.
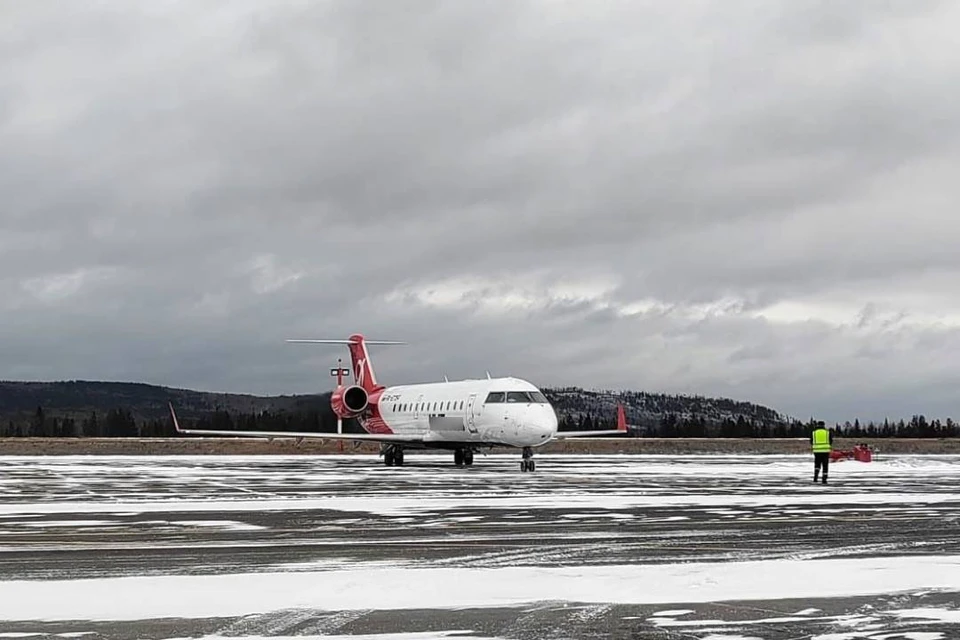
pixel 649 411
pixel 124 408
pixel 144 401
pixel 117 409
pixel 84 408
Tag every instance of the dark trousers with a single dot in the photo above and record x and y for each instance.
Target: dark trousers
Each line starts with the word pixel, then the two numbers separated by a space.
pixel 821 459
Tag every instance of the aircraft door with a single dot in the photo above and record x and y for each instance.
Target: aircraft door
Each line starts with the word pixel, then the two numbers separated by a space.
pixel 469 417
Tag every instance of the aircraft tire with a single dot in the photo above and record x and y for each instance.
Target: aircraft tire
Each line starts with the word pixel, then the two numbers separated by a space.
pixel 458 457
pixel 468 457
pixel 398 458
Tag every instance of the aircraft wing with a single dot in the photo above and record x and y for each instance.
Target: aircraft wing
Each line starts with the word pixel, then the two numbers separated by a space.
pixel 563 435
pixel 621 429
pixel 368 437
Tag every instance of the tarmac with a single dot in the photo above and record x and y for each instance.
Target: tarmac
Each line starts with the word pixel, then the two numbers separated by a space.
pixel 589 546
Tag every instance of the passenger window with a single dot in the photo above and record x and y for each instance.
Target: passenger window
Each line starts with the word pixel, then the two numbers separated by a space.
pixel 495 396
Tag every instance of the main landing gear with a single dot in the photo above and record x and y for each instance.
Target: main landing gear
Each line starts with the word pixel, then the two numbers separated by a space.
pixel 393 456
pixel 527 463
pixel 463 457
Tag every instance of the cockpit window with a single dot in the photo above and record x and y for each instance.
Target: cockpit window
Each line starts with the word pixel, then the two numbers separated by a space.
pixel 526 397
pixel 517 396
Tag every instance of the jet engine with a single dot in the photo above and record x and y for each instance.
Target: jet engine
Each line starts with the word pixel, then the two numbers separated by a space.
pixel 349 402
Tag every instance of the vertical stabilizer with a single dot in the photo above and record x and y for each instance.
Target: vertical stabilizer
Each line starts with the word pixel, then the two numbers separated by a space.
pixel 362 367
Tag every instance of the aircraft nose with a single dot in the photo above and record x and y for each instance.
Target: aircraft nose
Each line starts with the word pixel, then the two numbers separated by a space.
pixel 545 426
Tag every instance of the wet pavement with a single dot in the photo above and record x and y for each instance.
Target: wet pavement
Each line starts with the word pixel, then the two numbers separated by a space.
pixel 647 530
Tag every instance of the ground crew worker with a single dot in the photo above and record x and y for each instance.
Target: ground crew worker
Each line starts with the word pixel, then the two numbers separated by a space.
pixel 821 441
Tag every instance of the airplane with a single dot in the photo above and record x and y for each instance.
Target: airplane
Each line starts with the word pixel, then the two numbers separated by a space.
pixel 463 416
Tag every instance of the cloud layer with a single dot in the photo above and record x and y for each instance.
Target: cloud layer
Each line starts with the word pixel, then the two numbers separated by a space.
pixel 754 200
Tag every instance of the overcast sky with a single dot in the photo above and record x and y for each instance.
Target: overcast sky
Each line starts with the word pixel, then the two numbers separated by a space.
pixel 751 199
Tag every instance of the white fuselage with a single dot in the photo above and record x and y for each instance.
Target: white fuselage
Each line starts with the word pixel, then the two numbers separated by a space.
pixel 495 411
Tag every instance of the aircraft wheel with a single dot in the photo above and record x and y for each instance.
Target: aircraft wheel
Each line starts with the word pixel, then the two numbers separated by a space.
pixel 531 465
pixel 388 458
pixel 458 457
pixel 398 458
pixel 468 457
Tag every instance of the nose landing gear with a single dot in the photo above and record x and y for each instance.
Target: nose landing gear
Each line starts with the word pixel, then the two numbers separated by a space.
pixel 527 463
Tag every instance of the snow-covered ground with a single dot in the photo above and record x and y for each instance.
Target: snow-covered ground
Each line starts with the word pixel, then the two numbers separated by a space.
pixel 268 546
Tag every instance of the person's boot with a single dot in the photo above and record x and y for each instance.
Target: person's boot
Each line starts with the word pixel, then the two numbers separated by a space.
pixel 816 475
pixel 824 478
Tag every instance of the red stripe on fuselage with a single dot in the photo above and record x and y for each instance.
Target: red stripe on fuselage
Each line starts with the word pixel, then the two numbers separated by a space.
pixel 374 422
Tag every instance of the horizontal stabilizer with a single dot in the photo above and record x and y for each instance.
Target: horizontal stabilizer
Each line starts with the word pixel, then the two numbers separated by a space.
pixel 346 341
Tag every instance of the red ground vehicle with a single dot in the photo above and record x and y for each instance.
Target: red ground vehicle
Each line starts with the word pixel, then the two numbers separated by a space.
pixel 860 453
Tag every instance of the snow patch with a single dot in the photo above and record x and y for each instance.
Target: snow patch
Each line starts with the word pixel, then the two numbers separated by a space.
pixel 424 635
pixel 940 615
pixel 673 613
pixel 208 596
pixel 414 504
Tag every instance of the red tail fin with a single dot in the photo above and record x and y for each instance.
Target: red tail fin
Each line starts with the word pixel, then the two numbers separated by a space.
pixel 621 418
pixel 362 367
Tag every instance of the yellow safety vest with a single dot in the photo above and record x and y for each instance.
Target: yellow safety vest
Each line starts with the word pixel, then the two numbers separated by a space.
pixel 821 441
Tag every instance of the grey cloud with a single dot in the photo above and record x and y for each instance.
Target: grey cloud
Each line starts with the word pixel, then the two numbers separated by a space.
pixel 183 186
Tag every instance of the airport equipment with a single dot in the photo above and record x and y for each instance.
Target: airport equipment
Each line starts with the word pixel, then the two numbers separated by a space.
pixel 860 452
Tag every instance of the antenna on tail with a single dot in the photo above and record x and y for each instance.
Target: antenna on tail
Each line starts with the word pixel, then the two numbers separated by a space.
pixel 344 341
pixel 339 372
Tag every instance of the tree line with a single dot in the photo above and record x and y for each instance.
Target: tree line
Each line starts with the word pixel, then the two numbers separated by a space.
pixel 120 422
pixel 673 426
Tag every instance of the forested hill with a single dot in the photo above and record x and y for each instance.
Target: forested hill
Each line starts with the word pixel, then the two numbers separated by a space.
pixel 82 408
pixel 124 408
pixel 660 413
pixel 145 401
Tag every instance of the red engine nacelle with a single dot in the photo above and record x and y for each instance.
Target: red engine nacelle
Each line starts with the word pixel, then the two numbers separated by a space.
pixel 349 402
